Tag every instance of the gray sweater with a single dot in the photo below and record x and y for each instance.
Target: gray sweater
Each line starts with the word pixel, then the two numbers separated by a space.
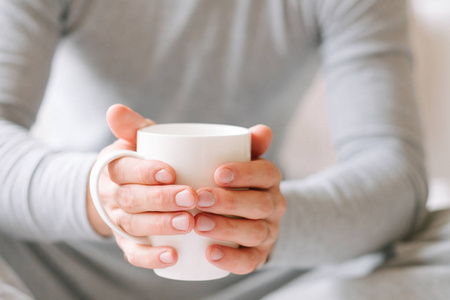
pixel 63 63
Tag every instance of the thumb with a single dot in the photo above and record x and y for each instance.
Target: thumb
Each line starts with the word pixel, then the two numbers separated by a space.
pixel 124 122
pixel 261 139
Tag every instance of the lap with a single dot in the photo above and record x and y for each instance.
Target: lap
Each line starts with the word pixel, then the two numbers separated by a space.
pixel 419 270
pixel 11 287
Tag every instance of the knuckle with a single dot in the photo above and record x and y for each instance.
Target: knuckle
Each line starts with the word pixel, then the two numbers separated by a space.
pixel 273 171
pixel 274 233
pixel 160 226
pixel 125 222
pixel 142 174
pixel 113 171
pixel 104 192
pixel 105 173
pixel 229 202
pixel 252 262
pixel 142 258
pixel 125 198
pixel 107 190
pixel 227 225
pixel 133 258
pixel 261 232
pixel 266 205
pixel 147 261
pixel 282 205
pixel 158 199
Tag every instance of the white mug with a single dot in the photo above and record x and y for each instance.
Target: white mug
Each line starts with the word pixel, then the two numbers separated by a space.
pixel 194 151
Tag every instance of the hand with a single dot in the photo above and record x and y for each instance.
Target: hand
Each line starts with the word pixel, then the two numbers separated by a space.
pixel 260 208
pixel 139 196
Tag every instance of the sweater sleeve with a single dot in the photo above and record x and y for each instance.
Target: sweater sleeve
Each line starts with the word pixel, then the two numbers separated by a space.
pixel 376 194
pixel 42 191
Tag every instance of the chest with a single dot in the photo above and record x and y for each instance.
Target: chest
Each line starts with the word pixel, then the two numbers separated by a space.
pixel 226 44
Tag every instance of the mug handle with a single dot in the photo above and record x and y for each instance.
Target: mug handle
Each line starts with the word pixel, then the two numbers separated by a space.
pixel 96 171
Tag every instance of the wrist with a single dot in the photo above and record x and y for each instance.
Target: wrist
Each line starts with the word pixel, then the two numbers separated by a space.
pixel 94 218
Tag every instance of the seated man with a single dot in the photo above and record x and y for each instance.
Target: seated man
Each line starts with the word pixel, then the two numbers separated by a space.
pixel 233 62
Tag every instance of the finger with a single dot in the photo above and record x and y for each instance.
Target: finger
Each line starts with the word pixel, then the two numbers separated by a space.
pixel 146 256
pixel 248 233
pixel 124 122
pixel 129 170
pixel 136 198
pixel 238 261
pixel 261 139
pixel 147 224
pixel 250 204
pixel 259 173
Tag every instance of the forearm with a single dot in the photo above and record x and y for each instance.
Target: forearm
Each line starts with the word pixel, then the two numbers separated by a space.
pixel 350 210
pixel 43 191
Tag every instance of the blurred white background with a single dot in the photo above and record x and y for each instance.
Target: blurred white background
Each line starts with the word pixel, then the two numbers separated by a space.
pixel 312 150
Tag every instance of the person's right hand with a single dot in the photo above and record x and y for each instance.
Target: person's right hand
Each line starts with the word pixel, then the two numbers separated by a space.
pixel 140 196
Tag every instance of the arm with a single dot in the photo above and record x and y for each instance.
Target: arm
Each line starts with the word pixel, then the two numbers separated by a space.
pixel 376 194
pixel 42 192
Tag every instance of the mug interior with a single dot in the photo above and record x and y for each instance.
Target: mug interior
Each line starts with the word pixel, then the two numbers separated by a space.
pixel 195 129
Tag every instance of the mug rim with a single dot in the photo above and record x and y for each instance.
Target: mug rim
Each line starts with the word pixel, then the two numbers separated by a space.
pixel 191 130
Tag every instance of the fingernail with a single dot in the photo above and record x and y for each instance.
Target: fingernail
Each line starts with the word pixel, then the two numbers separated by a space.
pixel 204 223
pixel 184 199
pixel 180 222
pixel 216 254
pixel 163 176
pixel 225 176
pixel 166 257
pixel 205 199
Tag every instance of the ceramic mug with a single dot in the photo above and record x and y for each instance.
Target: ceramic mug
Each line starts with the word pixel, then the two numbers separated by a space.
pixel 194 151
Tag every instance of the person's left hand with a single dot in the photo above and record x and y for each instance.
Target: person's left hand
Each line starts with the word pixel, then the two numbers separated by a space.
pixel 258 202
